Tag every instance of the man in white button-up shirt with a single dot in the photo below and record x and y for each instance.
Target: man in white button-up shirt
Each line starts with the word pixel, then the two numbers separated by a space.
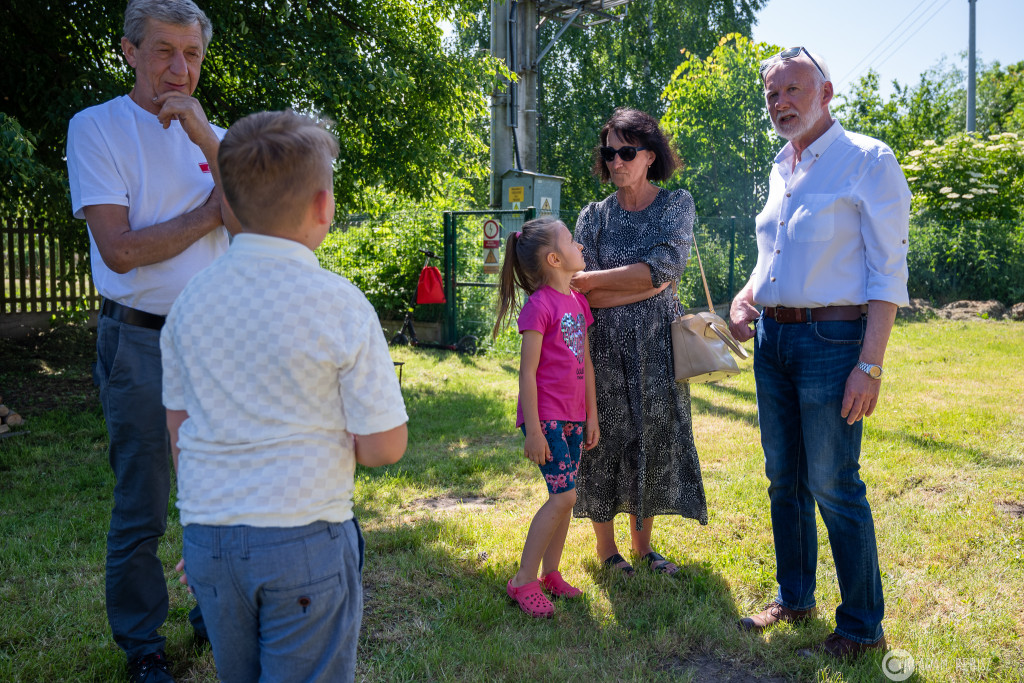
pixel 831 272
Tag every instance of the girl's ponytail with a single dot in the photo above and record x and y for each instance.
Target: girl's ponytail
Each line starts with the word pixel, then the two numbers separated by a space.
pixel 507 281
pixel 523 265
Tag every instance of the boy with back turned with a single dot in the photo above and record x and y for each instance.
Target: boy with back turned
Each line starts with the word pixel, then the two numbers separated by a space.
pixel 277 381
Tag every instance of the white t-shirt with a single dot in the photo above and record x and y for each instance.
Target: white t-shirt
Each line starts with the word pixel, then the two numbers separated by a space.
pixel 277 362
pixel 119 153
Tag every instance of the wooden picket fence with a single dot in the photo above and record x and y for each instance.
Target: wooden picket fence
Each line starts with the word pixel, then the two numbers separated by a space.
pixel 39 275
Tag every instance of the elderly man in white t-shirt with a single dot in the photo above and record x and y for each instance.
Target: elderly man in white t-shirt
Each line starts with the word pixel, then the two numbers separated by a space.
pixel 831 271
pixel 143 174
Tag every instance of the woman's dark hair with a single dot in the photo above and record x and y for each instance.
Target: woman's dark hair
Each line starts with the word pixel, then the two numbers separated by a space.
pixel 523 267
pixel 642 130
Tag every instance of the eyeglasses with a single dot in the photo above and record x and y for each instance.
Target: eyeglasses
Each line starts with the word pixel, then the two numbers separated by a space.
pixel 626 153
pixel 790 53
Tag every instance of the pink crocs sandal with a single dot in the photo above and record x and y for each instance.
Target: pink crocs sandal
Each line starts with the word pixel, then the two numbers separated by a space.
pixel 558 586
pixel 531 599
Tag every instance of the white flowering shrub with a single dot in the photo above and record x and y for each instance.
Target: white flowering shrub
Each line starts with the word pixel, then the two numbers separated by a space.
pixel 967 232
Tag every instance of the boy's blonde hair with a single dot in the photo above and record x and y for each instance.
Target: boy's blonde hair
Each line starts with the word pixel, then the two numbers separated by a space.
pixel 272 164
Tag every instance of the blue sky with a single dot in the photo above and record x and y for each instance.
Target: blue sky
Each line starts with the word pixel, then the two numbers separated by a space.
pixel 900 39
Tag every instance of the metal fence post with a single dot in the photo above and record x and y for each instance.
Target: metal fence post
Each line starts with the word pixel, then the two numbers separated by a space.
pixel 450 268
pixel 530 214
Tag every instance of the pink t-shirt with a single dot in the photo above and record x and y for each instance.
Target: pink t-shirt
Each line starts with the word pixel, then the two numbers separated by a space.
pixel 563 319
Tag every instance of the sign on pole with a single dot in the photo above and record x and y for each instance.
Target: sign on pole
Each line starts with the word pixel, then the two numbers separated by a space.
pixel 492 242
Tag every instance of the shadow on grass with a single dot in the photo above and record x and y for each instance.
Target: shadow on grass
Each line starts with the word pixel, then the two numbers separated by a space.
pixel 434 600
pixel 458 440
pixel 957 451
pixel 708 406
pixel 693 603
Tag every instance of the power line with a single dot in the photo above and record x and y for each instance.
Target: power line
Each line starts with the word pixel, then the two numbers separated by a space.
pixel 843 80
pixel 881 46
pixel 900 46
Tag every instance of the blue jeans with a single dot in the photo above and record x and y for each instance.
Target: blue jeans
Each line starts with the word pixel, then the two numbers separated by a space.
pixel 812 456
pixel 281 603
pixel 129 374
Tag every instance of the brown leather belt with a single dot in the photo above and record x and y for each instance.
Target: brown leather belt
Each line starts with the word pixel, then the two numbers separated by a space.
pixel 132 316
pixel 784 315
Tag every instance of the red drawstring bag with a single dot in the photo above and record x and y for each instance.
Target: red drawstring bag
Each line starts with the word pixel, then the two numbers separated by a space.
pixel 430 290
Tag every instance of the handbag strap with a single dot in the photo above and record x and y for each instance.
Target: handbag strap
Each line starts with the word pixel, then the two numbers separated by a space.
pixel 703 277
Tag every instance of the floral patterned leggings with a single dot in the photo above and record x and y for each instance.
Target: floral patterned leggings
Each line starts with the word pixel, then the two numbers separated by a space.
pixel 565 439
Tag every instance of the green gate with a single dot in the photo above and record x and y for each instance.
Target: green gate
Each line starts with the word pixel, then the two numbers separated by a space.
pixel 470 293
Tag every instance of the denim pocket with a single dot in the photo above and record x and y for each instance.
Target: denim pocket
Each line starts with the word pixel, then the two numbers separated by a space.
pixel 839 332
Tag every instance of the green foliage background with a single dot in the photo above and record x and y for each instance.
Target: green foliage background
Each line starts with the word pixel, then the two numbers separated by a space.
pixel 404 106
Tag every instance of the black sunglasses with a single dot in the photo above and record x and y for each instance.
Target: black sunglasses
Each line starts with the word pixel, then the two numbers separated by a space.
pixel 790 53
pixel 626 152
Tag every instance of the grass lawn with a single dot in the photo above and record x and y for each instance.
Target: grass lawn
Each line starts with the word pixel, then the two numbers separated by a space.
pixel 942 459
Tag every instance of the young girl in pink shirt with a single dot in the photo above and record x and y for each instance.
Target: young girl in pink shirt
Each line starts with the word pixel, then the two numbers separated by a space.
pixel 557 403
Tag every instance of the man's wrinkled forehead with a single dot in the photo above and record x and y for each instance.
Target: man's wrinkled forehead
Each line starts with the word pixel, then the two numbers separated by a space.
pixel 792 69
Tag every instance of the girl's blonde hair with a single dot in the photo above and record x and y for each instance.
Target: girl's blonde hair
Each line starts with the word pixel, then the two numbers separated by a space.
pixel 525 252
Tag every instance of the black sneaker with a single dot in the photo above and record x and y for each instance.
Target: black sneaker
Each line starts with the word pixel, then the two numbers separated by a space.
pixel 151 668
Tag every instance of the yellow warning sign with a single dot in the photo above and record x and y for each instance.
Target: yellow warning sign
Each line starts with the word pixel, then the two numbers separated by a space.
pixel 516 194
pixel 515 206
pixel 491 261
pixel 545 204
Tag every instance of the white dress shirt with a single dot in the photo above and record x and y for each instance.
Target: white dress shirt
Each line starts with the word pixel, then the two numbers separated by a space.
pixel 834 229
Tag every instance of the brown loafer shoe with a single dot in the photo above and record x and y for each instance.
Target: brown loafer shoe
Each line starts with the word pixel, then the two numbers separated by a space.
pixel 772 613
pixel 838 647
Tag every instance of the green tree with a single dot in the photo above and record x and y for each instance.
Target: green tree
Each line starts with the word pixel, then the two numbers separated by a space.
pixel 717 118
pixel 591 71
pixel 1001 96
pixel 404 104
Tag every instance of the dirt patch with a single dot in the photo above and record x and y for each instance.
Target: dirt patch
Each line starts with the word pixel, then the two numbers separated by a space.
pixel 919 309
pixel 444 503
pixel 973 310
pixel 1011 508
pixel 49 370
pixel 706 669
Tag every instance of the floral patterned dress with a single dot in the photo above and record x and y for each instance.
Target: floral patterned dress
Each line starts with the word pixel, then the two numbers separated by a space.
pixel 646 462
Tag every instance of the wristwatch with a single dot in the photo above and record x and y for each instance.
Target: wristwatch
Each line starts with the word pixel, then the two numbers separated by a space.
pixel 873 371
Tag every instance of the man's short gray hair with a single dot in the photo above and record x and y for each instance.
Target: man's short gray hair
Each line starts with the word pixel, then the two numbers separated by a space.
pixel 821 73
pixel 178 12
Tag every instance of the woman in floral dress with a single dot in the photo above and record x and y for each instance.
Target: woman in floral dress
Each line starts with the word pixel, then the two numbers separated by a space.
pixel 636 243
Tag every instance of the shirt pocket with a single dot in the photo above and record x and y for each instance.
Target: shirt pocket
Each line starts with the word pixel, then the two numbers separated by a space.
pixel 814 220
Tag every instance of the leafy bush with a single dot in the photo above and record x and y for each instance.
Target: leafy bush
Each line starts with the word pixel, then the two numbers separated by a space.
pixel 967 231
pixel 953 260
pixel 968 178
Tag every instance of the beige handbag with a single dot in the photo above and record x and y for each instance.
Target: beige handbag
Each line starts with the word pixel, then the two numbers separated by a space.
pixel 702 345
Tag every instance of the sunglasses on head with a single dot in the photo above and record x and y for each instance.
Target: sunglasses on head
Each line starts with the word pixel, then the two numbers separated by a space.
pixel 626 152
pixel 790 53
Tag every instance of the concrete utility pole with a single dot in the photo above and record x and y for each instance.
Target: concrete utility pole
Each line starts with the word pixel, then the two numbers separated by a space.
pixel 514 112
pixel 514 26
pixel 971 76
